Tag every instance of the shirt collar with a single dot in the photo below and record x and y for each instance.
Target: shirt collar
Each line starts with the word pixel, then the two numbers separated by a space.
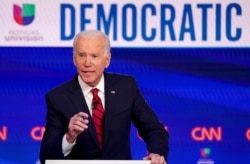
pixel 86 88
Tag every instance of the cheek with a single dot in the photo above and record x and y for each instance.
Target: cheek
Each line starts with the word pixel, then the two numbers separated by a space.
pixel 77 63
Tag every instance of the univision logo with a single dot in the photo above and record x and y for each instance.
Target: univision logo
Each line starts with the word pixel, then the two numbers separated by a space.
pixel 205 152
pixel 24 15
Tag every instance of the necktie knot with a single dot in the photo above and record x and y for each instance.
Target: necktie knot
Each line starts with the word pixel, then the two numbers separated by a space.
pixel 96 99
pixel 94 91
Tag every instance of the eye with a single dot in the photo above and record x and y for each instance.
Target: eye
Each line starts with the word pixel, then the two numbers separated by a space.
pixel 94 56
pixel 81 55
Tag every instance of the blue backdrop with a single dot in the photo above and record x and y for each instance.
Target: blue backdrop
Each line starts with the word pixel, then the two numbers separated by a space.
pixel 200 94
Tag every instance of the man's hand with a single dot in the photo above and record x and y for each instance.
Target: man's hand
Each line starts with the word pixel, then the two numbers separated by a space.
pixel 155 158
pixel 77 124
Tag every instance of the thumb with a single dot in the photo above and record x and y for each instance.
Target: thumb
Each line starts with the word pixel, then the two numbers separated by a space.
pixel 146 158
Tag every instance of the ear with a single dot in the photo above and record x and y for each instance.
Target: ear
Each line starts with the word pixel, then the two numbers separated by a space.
pixel 108 59
pixel 74 60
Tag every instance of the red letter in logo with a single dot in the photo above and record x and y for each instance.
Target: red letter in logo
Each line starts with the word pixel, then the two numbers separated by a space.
pixel 195 136
pixel 202 133
pixel 37 133
pixel 3 133
pixel 248 134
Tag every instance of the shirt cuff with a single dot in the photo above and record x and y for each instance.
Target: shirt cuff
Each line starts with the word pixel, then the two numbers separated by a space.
pixel 67 147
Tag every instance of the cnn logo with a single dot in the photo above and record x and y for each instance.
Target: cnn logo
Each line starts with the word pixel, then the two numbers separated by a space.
pixel 37 132
pixel 204 133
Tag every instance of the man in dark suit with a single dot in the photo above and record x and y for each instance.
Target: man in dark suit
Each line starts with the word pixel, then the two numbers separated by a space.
pixel 70 131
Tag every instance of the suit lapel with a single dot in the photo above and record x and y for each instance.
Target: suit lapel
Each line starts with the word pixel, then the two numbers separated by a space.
pixel 110 94
pixel 80 105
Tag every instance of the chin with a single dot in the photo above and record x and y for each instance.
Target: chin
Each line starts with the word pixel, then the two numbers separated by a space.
pixel 90 83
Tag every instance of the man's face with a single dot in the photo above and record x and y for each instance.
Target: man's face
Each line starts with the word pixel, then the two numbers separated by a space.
pixel 90 59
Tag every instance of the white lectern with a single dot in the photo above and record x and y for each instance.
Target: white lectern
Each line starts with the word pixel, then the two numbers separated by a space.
pixel 97 162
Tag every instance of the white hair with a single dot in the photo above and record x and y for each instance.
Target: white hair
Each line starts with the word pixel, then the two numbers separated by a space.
pixel 93 33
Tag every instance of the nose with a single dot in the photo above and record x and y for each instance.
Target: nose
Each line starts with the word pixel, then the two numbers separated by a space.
pixel 87 61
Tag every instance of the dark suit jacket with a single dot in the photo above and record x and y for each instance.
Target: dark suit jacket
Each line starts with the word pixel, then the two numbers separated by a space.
pixel 123 104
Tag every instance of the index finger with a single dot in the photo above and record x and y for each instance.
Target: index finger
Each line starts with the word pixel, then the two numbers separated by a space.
pixel 83 115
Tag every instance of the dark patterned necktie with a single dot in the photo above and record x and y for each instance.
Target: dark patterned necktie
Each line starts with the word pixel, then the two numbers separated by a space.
pixel 98 115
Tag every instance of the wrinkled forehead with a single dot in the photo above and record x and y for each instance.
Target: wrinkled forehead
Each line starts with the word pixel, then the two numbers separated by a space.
pixel 93 44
